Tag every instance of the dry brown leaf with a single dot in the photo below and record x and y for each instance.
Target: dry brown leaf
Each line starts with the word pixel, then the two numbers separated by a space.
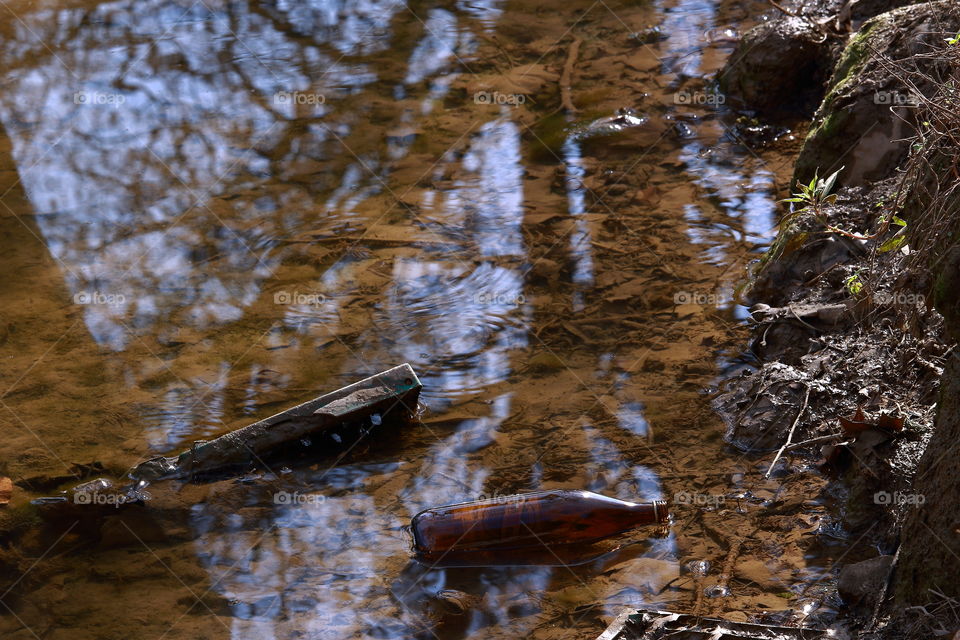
pixel 525 80
pixel 859 423
pixel 855 425
pixel 539 218
pixel 887 421
pixel 629 290
pixel 575 330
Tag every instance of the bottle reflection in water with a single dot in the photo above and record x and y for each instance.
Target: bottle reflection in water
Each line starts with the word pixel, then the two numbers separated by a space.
pixel 529 520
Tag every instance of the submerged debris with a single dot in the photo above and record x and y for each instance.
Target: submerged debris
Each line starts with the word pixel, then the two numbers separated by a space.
pixel 390 392
pixel 648 35
pixel 625 118
pixel 657 625
pixel 526 520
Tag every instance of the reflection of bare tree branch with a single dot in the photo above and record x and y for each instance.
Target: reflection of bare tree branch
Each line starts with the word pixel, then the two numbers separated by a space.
pixel 138 187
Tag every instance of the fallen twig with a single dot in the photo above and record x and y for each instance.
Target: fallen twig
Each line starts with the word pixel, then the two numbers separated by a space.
pixel 566 77
pixel 793 428
pixel 883 592
pixel 818 439
pixel 785 10
pixel 726 573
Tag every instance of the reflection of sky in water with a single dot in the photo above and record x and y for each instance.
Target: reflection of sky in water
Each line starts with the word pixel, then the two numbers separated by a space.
pixel 185 414
pixel 461 325
pixel 612 474
pixel 436 48
pixel 442 44
pixel 632 419
pixel 351 26
pixel 157 158
pixel 255 556
pixel 492 194
pixel 580 248
pixel 486 12
pixel 684 24
pixel 447 476
pixel 744 194
pixel 462 319
pixel 350 192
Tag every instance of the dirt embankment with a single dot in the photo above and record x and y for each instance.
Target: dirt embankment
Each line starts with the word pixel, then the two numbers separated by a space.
pixel 855 303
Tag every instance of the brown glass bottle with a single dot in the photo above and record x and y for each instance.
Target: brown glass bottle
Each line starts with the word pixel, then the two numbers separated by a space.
pixel 529 519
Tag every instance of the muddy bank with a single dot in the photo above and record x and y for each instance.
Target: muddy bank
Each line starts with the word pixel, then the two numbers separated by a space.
pixel 854 305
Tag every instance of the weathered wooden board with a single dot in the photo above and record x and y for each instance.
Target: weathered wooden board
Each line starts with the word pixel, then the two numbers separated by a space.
pixel 664 625
pixel 387 393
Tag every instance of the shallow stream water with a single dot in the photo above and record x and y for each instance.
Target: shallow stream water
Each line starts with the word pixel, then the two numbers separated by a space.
pixel 213 211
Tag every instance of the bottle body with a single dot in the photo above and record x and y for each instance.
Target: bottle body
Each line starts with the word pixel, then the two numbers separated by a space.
pixel 529 519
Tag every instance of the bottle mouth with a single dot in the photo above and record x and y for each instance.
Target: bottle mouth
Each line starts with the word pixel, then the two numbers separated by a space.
pixel 660 511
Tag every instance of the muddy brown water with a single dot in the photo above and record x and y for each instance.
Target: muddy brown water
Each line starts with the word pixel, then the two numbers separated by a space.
pixel 214 211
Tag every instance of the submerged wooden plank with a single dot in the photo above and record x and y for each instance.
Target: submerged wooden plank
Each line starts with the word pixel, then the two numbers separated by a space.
pixel 656 625
pixel 387 393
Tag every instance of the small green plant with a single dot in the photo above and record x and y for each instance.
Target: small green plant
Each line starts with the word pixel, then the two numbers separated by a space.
pixel 893 243
pixel 853 284
pixel 813 197
pixel 954 40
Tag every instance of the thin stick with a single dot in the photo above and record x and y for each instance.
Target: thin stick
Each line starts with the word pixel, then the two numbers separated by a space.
pixel 567 75
pixel 797 445
pixel 883 591
pixel 793 428
pixel 724 580
pixel 786 11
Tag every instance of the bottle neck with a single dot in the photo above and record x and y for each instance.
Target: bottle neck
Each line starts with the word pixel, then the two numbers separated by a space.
pixel 660 511
pixel 656 510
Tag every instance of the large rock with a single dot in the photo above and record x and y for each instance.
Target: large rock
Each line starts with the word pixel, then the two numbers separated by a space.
pixel 867 113
pixel 860 583
pixel 778 66
pixel 866 9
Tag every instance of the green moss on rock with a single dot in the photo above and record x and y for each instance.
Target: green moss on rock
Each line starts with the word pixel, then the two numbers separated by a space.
pixel 849 110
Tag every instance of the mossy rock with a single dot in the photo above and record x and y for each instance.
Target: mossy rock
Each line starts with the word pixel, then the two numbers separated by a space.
pixel 866 114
